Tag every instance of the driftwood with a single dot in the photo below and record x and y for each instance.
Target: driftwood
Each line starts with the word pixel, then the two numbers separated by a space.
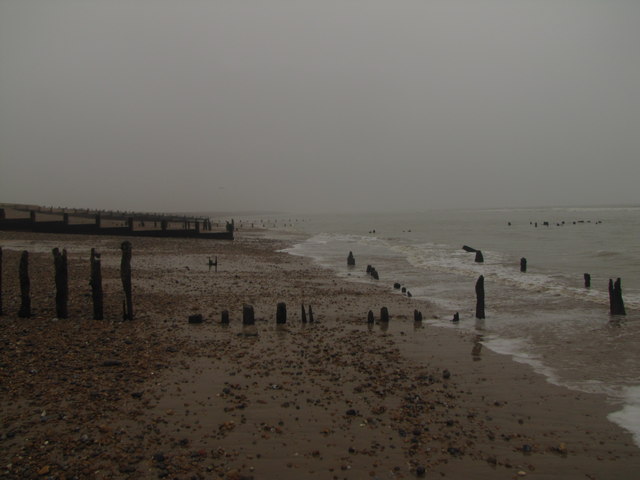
pixel 125 275
pixel 480 297
pixel 281 313
pixel 25 286
pixel 62 283
pixel 479 257
pixel 96 285
pixel 469 249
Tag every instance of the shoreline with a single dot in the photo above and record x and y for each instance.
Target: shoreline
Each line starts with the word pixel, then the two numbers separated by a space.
pixel 329 399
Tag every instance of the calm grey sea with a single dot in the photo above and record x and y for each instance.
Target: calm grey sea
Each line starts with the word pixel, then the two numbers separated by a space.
pixel 544 317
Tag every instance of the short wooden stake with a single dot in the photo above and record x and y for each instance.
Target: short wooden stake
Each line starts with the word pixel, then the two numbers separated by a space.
pixel 480 297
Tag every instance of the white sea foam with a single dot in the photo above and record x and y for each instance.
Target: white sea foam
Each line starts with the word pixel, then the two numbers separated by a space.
pixel 629 416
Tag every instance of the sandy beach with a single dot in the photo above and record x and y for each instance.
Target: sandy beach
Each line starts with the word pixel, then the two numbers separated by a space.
pixel 158 397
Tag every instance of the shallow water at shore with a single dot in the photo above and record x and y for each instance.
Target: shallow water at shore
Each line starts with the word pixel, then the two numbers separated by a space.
pixel 545 317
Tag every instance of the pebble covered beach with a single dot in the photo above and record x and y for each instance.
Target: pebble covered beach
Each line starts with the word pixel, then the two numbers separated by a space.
pixel 159 397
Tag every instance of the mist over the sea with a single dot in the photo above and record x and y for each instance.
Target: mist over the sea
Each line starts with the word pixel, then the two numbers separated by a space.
pixel 319 106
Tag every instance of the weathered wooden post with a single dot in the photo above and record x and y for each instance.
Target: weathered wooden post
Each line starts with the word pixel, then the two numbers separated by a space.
pixel 25 286
pixel 125 275
pixel 479 257
pixel 370 318
pixel 96 285
pixel 523 264
pixel 351 261
pixel 281 313
pixel 310 314
pixel 587 280
pixel 1 312
pixel 62 282
pixel 384 315
pixel 303 314
pixel 224 318
pixel 480 297
pixel 456 317
pixel 615 298
pixel 417 316
pixel 248 315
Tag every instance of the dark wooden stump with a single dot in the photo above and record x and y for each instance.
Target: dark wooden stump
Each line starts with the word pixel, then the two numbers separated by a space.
pixel 125 275
pixel 587 280
pixel 479 257
pixel 384 315
pixel 62 282
pixel 417 316
pixel 374 274
pixel 25 286
pixel 1 312
pixel 615 298
pixel 281 313
pixel 480 297
pixel 370 318
pixel 523 264
pixel 310 314
pixel 351 261
pixel 248 317
pixel 456 317
pixel 224 317
pixel 303 314
pixel 96 285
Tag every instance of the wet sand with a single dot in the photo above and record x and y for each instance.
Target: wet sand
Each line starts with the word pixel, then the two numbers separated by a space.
pixel 160 398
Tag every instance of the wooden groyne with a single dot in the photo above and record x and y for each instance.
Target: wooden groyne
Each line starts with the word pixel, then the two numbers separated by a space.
pixel 99 222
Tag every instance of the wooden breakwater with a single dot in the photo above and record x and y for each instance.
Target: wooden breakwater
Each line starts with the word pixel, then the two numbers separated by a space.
pixel 94 222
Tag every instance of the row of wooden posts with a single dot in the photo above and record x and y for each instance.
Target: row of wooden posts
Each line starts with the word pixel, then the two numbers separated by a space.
pixel 616 304
pixel 61 279
pixel 248 315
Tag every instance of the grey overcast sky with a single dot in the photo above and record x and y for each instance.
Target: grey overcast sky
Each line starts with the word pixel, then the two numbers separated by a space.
pixel 319 106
